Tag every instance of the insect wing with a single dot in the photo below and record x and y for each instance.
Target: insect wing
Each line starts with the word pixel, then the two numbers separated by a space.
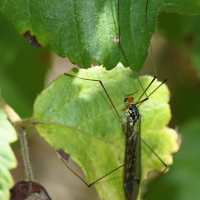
pixel 137 160
pixel 132 168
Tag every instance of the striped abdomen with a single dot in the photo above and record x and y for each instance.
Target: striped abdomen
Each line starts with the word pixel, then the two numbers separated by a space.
pixel 132 169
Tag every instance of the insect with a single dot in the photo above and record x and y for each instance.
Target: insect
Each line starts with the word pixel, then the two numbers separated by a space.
pixel 132 121
pixel 131 125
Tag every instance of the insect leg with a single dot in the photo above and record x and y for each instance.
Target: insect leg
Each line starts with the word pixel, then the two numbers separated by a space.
pixel 124 52
pixel 89 185
pixel 140 102
pixel 102 87
pixel 160 161
pixel 152 57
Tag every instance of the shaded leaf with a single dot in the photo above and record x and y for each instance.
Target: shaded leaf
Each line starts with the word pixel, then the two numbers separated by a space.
pixel 85 30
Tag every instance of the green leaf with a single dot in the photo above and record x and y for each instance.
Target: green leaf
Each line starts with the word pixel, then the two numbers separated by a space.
pixel 85 30
pixel 7 158
pixel 75 115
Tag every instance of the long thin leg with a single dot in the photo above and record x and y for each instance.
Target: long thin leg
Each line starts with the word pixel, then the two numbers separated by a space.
pixel 160 173
pixel 142 101
pixel 160 161
pixel 152 57
pixel 155 76
pixel 102 87
pixel 147 98
pixel 89 185
pixel 124 52
pixel 146 89
pixel 151 93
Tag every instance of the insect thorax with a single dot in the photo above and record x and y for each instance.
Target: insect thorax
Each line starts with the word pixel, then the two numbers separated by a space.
pixel 131 114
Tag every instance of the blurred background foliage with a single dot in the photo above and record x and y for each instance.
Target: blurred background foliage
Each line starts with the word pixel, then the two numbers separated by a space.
pixel 176 46
pixel 177 55
pixel 22 69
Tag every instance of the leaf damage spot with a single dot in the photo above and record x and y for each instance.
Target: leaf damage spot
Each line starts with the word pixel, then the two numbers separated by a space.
pixel 116 38
pixel 31 39
pixel 64 155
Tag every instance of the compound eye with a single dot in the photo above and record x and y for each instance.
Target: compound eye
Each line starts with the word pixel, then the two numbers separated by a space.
pixel 125 100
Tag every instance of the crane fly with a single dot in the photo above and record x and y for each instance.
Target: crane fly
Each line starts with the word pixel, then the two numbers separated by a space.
pixel 131 125
pixel 132 121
